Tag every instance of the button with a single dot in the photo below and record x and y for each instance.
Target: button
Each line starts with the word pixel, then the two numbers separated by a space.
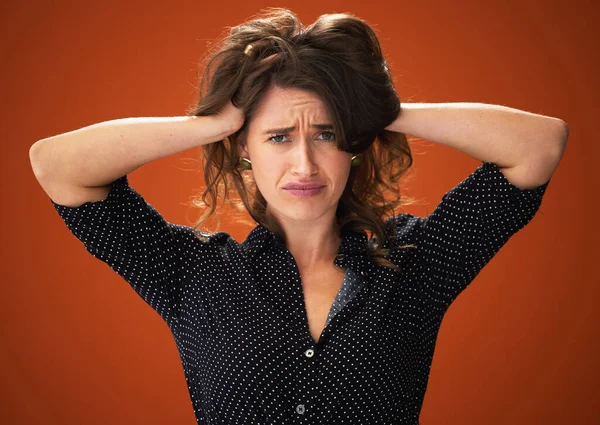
pixel 309 353
pixel 340 256
pixel 300 409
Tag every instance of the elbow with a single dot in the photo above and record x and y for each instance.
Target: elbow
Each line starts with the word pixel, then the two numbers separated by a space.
pixel 565 128
pixel 555 143
pixel 551 153
pixel 561 140
pixel 35 159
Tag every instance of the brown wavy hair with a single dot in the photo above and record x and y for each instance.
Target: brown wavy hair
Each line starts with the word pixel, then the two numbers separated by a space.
pixel 339 59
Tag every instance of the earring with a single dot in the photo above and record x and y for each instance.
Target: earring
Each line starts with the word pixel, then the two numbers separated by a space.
pixel 355 161
pixel 245 164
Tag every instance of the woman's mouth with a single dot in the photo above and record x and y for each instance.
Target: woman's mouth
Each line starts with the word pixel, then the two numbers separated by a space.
pixel 306 193
pixel 304 190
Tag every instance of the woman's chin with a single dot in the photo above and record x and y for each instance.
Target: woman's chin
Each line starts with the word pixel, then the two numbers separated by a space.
pixel 299 212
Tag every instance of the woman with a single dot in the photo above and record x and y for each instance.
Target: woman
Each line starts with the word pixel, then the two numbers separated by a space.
pixel 310 318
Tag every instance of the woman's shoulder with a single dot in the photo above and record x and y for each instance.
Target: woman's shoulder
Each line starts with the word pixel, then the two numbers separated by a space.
pixel 403 229
pixel 404 223
pixel 200 238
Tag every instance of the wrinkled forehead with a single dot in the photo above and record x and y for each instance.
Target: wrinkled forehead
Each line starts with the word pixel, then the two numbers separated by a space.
pixel 280 108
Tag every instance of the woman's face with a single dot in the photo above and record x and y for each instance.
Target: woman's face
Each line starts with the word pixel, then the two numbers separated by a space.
pixel 291 140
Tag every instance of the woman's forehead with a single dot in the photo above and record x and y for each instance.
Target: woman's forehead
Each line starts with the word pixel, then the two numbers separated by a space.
pixel 283 107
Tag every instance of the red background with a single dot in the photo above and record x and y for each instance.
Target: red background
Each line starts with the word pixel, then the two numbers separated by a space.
pixel 78 346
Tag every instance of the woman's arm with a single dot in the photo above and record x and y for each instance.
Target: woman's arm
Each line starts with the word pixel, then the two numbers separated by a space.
pixel 525 146
pixel 78 166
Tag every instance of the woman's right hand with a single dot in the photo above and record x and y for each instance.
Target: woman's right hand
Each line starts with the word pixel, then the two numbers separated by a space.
pixel 229 120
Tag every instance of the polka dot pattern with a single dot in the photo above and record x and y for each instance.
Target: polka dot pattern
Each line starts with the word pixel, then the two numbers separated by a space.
pixel 237 312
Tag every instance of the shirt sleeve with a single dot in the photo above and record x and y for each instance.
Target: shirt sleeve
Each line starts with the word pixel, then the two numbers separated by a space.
pixel 132 237
pixel 470 225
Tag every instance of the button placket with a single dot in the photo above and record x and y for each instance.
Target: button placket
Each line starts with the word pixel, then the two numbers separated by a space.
pixel 309 353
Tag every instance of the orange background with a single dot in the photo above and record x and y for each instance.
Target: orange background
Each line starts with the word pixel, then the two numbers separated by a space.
pixel 78 346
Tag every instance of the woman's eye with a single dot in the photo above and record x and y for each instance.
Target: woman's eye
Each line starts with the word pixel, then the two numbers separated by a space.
pixel 271 139
pixel 331 135
pixel 275 139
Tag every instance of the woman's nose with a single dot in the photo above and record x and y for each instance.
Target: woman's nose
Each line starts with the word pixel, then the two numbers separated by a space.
pixel 303 161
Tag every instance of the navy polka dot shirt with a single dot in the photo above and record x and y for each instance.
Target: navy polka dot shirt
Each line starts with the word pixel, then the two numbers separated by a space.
pixel 237 312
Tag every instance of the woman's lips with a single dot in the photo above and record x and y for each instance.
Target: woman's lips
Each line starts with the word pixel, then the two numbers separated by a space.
pixel 303 185
pixel 306 193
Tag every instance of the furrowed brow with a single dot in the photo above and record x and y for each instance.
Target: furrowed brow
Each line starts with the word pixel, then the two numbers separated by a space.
pixel 285 130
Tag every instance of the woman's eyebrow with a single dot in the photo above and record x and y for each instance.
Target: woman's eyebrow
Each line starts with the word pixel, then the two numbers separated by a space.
pixel 290 129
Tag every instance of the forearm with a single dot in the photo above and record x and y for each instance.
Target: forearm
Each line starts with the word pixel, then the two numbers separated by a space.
pixel 490 133
pixel 100 153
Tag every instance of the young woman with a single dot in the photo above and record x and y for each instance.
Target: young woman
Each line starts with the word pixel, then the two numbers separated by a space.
pixel 328 311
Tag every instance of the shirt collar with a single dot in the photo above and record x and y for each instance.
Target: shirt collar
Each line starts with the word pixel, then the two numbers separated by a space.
pixel 353 251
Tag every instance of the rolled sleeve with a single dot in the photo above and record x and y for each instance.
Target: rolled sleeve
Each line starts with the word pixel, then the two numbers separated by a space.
pixel 132 237
pixel 470 225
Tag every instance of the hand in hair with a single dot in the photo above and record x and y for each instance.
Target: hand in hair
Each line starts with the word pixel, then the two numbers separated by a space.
pixel 227 121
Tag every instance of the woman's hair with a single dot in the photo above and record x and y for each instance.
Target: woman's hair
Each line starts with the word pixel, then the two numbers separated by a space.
pixel 339 59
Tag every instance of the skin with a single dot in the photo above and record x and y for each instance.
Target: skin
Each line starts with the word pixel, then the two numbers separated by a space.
pixel 304 154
